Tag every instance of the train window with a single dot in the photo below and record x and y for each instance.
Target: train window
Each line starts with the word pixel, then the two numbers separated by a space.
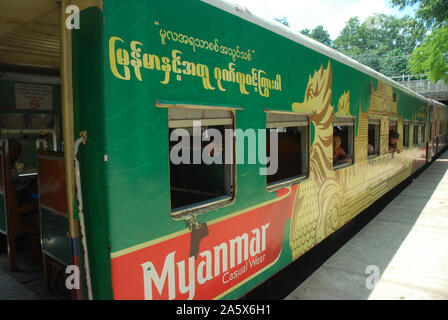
pixel 406 134
pixel 422 133
pixel 373 144
pixel 415 134
pixel 343 141
pixel 200 174
pixel 393 125
pixel 394 136
pixel 292 147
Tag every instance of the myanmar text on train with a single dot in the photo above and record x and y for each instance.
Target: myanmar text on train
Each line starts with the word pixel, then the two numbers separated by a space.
pixel 122 62
pixel 226 256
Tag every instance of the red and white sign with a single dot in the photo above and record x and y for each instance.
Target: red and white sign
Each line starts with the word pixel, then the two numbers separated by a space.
pixel 235 249
pixel 33 96
pixel 34 104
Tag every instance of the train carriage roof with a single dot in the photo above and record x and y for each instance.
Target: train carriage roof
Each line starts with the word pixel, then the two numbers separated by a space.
pixel 29 33
pixel 29 36
pixel 287 32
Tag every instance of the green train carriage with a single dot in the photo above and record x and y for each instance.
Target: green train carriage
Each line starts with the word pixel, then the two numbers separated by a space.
pixel 138 77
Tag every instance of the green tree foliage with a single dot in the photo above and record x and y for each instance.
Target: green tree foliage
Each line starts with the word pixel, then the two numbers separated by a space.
pixel 382 42
pixel 319 34
pixel 431 57
pixel 283 21
pixel 306 32
pixel 430 12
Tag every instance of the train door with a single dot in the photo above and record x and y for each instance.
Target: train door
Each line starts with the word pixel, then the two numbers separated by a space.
pixel 31 141
pixel 432 130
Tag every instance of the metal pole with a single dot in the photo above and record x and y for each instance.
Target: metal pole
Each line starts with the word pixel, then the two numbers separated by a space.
pixel 68 133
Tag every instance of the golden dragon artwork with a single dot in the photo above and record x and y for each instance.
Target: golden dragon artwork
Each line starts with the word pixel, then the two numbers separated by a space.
pixel 328 199
pixel 317 206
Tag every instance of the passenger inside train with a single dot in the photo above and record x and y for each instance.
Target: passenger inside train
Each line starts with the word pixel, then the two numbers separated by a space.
pixel 373 138
pixel 192 181
pixel 370 148
pixel 393 140
pixel 340 156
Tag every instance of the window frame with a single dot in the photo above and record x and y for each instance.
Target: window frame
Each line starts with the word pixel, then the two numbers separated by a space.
pixel 388 133
pixel 415 142
pixel 391 120
pixel 342 121
pixel 184 212
pixel 305 122
pixel 408 124
pixel 422 138
pixel 374 121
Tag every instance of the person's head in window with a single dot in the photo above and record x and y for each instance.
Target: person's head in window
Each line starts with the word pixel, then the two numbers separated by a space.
pixel 393 140
pixel 337 146
pixel 370 147
pixel 339 154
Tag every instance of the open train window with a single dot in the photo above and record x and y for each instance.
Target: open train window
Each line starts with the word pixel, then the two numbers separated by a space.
pixel 422 133
pixel 415 134
pixel 394 136
pixel 292 147
pixel 406 134
pixel 201 175
pixel 393 125
pixel 343 128
pixel 373 144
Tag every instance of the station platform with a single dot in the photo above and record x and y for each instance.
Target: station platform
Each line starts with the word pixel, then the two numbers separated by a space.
pixel 26 283
pixel 12 289
pixel 401 254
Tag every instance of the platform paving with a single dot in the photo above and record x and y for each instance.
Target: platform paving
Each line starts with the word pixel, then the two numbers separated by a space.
pixel 26 283
pixel 401 254
pixel 11 289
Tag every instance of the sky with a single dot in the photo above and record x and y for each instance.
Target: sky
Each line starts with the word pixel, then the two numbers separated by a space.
pixel 332 14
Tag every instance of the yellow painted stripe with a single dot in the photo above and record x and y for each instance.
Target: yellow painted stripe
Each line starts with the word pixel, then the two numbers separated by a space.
pixel 184 231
